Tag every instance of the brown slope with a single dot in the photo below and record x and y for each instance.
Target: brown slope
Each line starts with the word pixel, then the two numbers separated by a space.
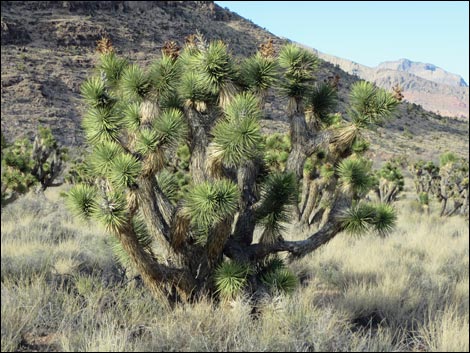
pixel 48 50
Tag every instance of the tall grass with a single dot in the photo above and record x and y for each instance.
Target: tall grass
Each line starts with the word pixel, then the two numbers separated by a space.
pixel 62 291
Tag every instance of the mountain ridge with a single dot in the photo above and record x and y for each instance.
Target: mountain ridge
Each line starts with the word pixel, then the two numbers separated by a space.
pixel 48 49
pixel 427 71
pixel 444 99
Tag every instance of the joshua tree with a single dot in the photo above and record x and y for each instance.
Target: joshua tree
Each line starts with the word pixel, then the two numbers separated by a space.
pixel 201 240
pixel 447 182
pixel 47 158
pixel 389 182
pixel 453 185
pixel 25 164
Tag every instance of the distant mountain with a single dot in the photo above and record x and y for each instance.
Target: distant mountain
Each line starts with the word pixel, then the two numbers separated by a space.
pixel 431 87
pixel 427 71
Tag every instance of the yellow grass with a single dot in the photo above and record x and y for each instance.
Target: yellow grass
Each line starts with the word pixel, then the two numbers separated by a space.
pixel 62 290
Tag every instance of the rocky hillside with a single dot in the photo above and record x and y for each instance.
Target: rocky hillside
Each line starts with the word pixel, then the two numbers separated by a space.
pixel 431 87
pixel 48 49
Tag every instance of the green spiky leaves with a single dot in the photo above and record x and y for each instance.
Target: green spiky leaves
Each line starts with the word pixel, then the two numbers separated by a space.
pixel 132 116
pixel 259 73
pixel 278 192
pixel 230 278
pixel 209 203
pixel 103 156
pixel 363 217
pixel 81 199
pixel 385 218
pixel 274 273
pixel 238 138
pixel 135 84
pixel 281 280
pixel 124 170
pixel 95 94
pixel 244 105
pixel 170 127
pixel 167 130
pixel 237 143
pixel 112 67
pixel 216 66
pixel 322 100
pixel 298 65
pixel 112 211
pixel 354 176
pixel 192 88
pixel 370 104
pixel 101 125
pixel 164 75
pixel 110 161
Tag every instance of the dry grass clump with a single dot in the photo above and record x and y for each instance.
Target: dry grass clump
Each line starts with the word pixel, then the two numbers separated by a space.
pixel 62 291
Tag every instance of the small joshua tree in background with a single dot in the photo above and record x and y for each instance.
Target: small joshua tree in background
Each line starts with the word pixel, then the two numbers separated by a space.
pixel 389 182
pixel 448 183
pixel 203 229
pixel 25 164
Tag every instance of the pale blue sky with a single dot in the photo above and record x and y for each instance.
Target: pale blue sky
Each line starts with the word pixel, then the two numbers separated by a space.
pixel 368 33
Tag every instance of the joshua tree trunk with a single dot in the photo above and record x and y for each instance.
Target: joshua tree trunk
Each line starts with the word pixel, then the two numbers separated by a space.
pixel 198 146
pixel 299 137
pixel 246 220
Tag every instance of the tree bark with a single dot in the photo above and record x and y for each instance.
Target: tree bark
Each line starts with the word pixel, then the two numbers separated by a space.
pixel 155 275
pixel 246 220
pixel 297 249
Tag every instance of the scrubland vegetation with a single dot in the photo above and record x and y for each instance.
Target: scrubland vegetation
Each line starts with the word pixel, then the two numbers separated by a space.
pixel 191 230
pixel 63 290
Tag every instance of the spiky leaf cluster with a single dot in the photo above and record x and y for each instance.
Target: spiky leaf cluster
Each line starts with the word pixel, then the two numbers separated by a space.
pixel 216 67
pixel 370 104
pixel 278 192
pixel 112 68
pixel 164 75
pixel 298 66
pixel 364 217
pixel 134 83
pixel 281 280
pixel 101 124
pixel 354 176
pixel 82 200
pixel 259 73
pixel 322 100
pixel 170 127
pixel 210 202
pixel 237 138
pixel 274 273
pixel 124 170
pixel 112 211
pixel 192 88
pixel 230 278
pixel 95 93
pixel 104 153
